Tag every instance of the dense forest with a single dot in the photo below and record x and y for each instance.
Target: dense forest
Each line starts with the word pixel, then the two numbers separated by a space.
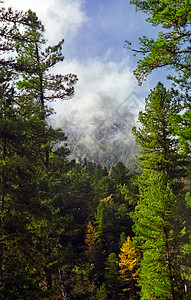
pixel 78 230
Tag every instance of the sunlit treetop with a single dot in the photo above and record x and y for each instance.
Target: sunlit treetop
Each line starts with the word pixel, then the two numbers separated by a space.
pixel 166 12
pixel 172 47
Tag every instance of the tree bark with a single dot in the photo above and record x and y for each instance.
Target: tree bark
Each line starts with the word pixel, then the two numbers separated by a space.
pixel 169 264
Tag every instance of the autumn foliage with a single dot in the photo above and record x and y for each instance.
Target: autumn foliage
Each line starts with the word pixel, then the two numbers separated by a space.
pixel 129 261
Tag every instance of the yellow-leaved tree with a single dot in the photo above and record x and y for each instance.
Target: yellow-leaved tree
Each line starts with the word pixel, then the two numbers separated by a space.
pixel 94 254
pixel 91 240
pixel 129 262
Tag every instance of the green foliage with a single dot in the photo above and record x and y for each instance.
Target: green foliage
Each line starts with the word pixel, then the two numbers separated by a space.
pixel 111 215
pixel 30 235
pixel 111 275
pixel 172 47
pixel 103 188
pixel 155 213
pixel 122 239
pixel 161 217
pixel 154 237
pixel 181 126
pixel 45 199
pixel 83 288
pixel 158 145
pixel 120 173
pixel 37 83
pixel 102 293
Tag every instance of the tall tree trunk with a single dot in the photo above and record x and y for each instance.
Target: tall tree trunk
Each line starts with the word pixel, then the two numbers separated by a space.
pixel 3 183
pixel 3 180
pixel 169 264
pixel 48 272
pixel 63 295
pixel 41 90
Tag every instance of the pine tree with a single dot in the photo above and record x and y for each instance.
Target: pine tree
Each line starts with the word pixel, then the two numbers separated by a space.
pixel 37 82
pixel 101 293
pixel 154 235
pixel 161 190
pixel 111 276
pixel 171 49
pixel 28 218
pixel 172 46
pixel 23 218
pixel 37 87
pixel 120 173
pixel 158 145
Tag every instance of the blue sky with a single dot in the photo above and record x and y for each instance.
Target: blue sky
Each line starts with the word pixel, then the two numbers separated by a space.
pixel 94 33
pixel 109 24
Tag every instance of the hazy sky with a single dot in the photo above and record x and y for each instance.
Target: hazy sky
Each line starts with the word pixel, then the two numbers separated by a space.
pixel 94 33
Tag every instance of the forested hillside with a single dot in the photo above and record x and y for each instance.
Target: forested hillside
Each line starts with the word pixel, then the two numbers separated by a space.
pixel 79 229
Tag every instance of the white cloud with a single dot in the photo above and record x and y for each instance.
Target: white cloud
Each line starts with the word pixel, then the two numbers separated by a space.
pixel 96 77
pixel 61 18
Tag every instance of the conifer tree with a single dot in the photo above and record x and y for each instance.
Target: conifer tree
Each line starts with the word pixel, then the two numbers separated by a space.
pixel 94 253
pixel 154 236
pixel 23 218
pixel 37 82
pixel 161 193
pixel 90 241
pixel 27 220
pixel 170 49
pixel 158 145
pixel 111 276
pixel 172 46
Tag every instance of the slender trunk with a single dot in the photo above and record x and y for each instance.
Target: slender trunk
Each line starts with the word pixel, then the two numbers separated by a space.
pixel 41 90
pixel 3 182
pixel 40 79
pixel 63 295
pixel 132 291
pixel 169 264
pixel 48 272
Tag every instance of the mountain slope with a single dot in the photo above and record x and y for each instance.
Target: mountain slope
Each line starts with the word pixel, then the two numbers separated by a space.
pixel 100 132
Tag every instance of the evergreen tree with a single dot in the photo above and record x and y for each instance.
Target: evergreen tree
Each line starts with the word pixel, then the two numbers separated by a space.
pixel 111 276
pixel 37 82
pixel 23 215
pixel 111 220
pixel 158 145
pixel 120 173
pixel 30 235
pixel 172 47
pixel 154 235
pixel 101 293
pixel 161 191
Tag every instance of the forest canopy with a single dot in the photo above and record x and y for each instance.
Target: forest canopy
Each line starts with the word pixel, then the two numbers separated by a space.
pixel 79 230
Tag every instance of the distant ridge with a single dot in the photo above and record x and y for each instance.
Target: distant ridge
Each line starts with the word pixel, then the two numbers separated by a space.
pixel 101 133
